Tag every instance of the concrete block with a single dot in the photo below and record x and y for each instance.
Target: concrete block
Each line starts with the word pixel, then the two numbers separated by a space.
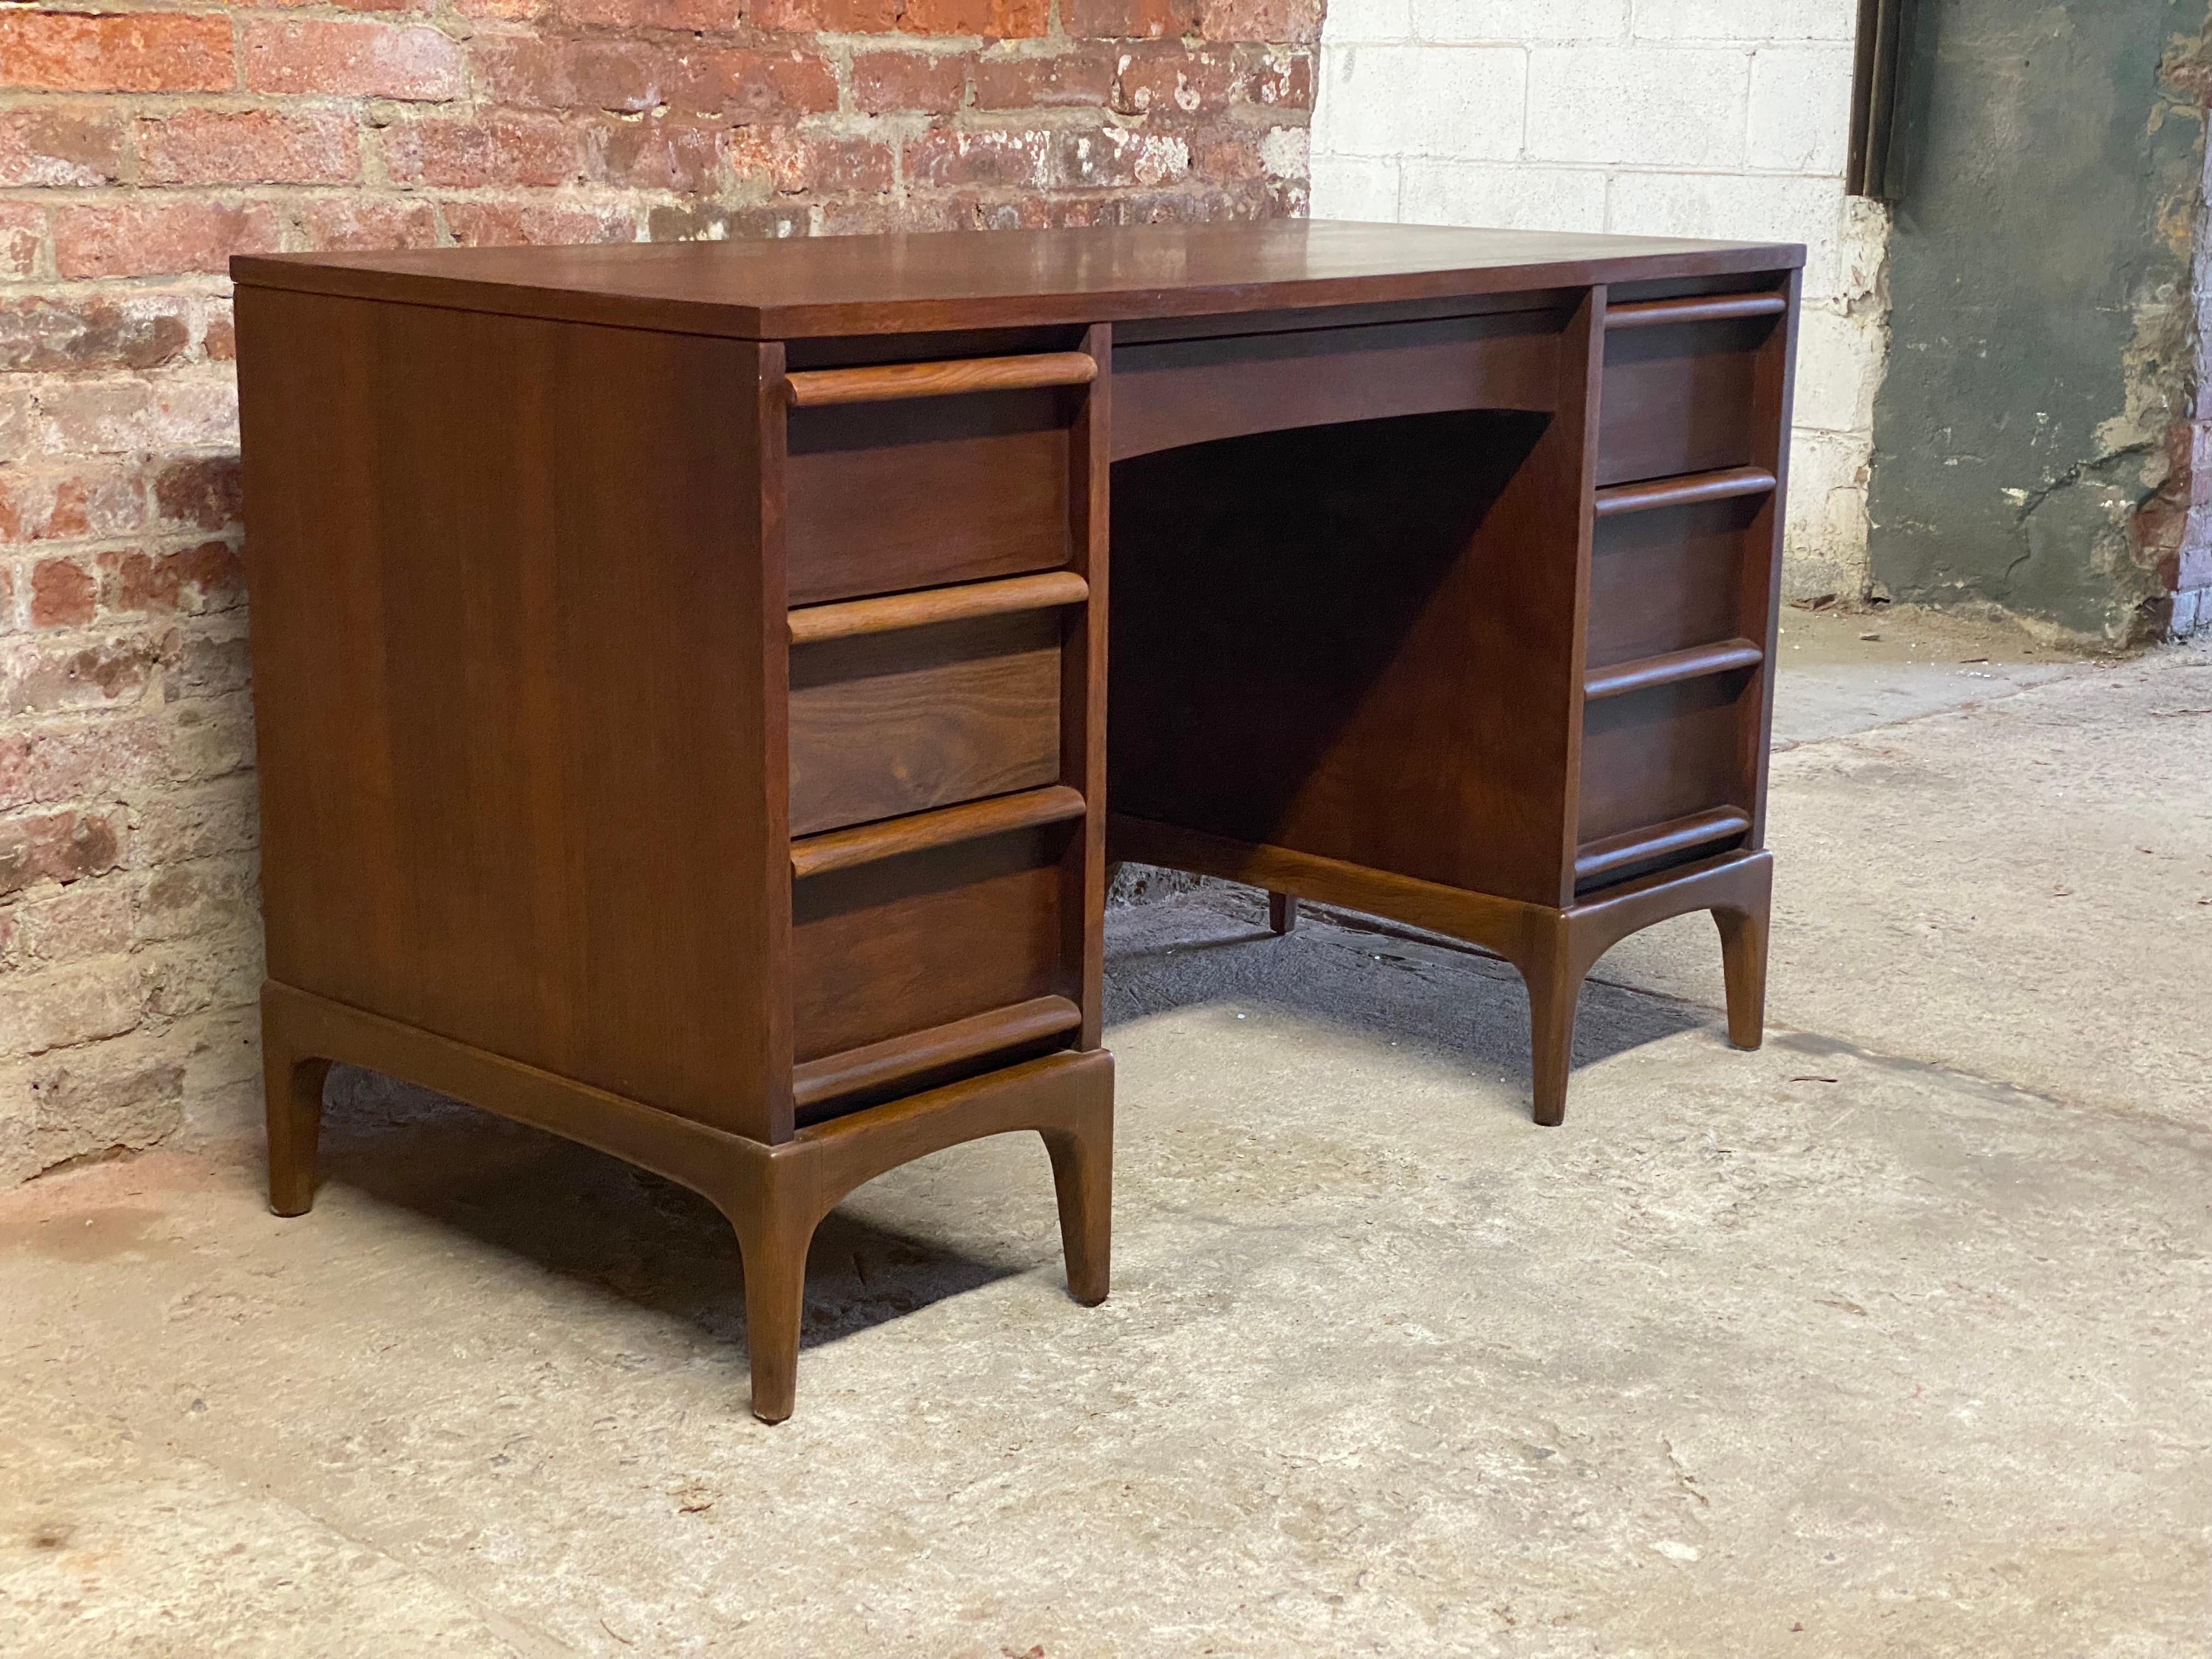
pixel 1746 20
pixel 1667 108
pixel 1460 101
pixel 1825 542
pixel 1507 196
pixel 1355 21
pixel 1840 358
pixel 1753 207
pixel 1355 187
pixel 1801 108
pixel 1517 22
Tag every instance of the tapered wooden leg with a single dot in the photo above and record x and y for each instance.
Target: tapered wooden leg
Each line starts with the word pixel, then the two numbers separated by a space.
pixel 1282 912
pixel 1555 984
pixel 774 1250
pixel 1083 1179
pixel 1743 964
pixel 292 1094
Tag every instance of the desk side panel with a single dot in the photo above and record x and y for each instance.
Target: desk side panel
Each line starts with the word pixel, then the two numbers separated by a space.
pixel 518 640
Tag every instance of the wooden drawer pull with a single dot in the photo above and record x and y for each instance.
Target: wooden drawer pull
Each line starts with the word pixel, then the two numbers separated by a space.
pixel 884 1066
pixel 839 849
pixel 1595 859
pixel 849 617
pixel 884 381
pixel 1685 491
pixel 1671 667
pixel 1694 308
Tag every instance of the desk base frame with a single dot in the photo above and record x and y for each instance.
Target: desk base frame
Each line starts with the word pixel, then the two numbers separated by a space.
pixel 774 1196
pixel 1554 949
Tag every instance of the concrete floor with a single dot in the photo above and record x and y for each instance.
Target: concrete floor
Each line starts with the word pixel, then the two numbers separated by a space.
pixel 1895 1338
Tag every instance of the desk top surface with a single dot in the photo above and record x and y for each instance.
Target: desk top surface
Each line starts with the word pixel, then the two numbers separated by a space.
pixel 816 286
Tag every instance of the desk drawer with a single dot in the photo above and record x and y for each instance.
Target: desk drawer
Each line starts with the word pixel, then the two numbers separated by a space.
pixel 886 724
pixel 1681 398
pixel 903 944
pixel 881 497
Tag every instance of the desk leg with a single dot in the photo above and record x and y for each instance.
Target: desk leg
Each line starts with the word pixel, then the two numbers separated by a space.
pixel 292 1092
pixel 1743 927
pixel 1282 912
pixel 1553 970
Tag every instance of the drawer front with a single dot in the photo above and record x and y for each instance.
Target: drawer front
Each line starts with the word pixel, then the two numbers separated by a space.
pixel 897 722
pixel 1654 756
pixel 881 497
pixel 1171 393
pixel 1680 399
pixel 1670 580
pixel 904 943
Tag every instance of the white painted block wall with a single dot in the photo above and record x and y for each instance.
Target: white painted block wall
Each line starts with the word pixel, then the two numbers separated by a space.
pixel 1689 118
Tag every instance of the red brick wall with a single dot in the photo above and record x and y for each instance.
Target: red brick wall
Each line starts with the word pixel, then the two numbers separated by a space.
pixel 139 148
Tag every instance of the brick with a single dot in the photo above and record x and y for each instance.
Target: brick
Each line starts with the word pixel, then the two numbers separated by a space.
pixel 1260 20
pixel 39 675
pixel 149 238
pixel 196 975
pixel 63 593
pixel 219 339
pixel 332 57
pixel 704 15
pixel 658 153
pixel 61 847
pixel 1111 156
pixel 128 51
pixel 510 224
pixel 22 229
pixel 348 221
pixel 1128 19
pixel 839 17
pixel 996 20
pixel 1801 108
pixel 88 918
pixel 204 822
pixel 196 899
pixel 610 74
pixel 69 1005
pixel 989 156
pixel 51 146
pixel 201 492
pixel 102 1101
pixel 1170 81
pixel 95 417
pixel 743 86
pixel 1519 23
pixel 51 503
pixel 886 81
pixel 40 334
pixel 502 147
pixel 697 222
pixel 190 581
pixel 1280 80
pixel 797 163
pixel 74 760
pixel 509 11
pixel 205 664
pixel 1083 78
pixel 249 147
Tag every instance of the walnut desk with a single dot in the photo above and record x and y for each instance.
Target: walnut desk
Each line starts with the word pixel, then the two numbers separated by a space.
pixel 682 671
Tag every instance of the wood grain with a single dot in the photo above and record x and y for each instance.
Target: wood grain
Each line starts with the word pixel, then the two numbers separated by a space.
pixel 883 724
pixel 886 497
pixel 853 617
pixel 766 289
pixel 843 850
pixel 482 711
pixel 918 1059
pixel 888 382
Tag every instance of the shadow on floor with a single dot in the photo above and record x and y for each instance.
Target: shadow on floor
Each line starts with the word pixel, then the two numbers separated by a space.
pixel 593 1219
pixel 1369 979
